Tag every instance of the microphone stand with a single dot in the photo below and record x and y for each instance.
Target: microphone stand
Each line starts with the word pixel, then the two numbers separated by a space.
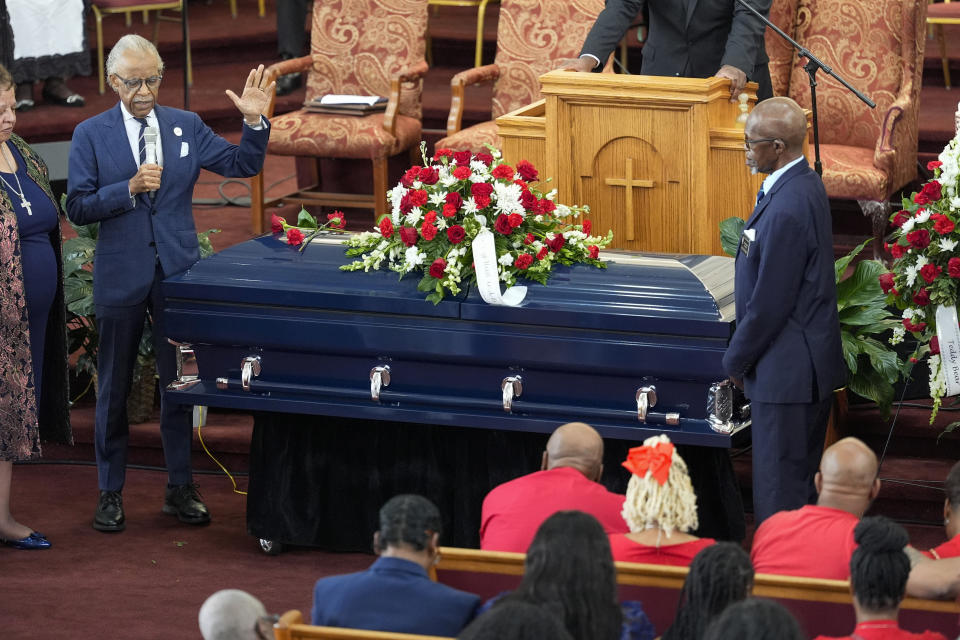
pixel 813 65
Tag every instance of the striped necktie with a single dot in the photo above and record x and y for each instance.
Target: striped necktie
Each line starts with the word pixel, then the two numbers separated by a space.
pixel 142 142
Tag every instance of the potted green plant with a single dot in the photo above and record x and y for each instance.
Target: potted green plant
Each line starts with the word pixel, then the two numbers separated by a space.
pixel 866 322
pixel 82 336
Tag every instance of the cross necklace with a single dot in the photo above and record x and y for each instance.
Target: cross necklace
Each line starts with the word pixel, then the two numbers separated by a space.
pixel 26 204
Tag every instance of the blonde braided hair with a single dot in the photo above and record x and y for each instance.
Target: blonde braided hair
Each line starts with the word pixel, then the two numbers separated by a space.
pixel 671 507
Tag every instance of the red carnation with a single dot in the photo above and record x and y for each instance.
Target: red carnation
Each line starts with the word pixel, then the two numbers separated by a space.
pixel 529 239
pixel 515 220
pixel 930 272
pixel 523 261
pixel 386 227
pixel 409 176
pixel 593 251
pixel 919 238
pixel 921 298
pixel 502 171
pixel 461 157
pixel 886 282
pixel 454 198
pixel 456 234
pixel 485 158
pixel 419 197
pixel 942 224
pixel 276 223
pixel 482 202
pixel 436 269
pixel 935 346
pixel 428 231
pixel 429 175
pixel 897 250
pixel 910 326
pixel 899 218
pixel 481 189
pixel 294 236
pixel 442 153
pixel 542 253
pixel 462 173
pixel 449 211
pixel 934 164
pixel 337 220
pixel 557 243
pixel 502 225
pixel 545 206
pixel 406 204
pixel 527 171
pixel 953 267
pixel 430 217
pixel 933 190
pixel 408 235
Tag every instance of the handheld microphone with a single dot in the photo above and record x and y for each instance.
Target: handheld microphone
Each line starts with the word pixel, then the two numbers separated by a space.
pixel 150 135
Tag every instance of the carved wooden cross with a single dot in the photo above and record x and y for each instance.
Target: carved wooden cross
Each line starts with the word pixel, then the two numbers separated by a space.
pixel 629 183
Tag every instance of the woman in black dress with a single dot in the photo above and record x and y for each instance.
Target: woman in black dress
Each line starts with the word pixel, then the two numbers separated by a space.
pixel 32 326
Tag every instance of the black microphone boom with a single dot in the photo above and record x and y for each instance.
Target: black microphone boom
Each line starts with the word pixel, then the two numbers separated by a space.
pixel 813 65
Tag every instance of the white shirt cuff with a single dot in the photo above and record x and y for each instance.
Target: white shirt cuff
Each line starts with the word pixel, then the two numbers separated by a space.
pixel 256 127
pixel 596 60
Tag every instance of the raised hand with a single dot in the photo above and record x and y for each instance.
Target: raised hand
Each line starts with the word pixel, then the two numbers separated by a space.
pixel 256 96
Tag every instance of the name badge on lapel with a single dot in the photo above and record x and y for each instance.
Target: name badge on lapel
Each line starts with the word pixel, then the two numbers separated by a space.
pixel 746 240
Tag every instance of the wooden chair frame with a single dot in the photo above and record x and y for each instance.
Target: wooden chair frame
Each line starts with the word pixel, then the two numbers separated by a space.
pixel 292 627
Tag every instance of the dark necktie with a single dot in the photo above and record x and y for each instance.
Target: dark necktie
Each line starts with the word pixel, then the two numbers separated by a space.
pixel 142 142
pixel 760 195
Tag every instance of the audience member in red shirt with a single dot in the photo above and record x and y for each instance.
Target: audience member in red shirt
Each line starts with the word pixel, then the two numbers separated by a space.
pixel 660 508
pixel 951 524
pixel 568 480
pixel 816 541
pixel 879 570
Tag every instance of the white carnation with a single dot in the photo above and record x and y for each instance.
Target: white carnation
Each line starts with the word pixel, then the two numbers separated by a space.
pixel 413 257
pixel 506 259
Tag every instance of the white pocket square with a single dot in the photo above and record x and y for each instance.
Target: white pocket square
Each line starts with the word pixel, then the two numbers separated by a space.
pixel 184 149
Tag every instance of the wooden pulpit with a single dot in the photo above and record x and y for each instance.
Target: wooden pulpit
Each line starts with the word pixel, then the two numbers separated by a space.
pixel 660 160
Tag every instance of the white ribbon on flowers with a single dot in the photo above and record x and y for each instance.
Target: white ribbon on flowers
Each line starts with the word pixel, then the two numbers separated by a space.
pixel 948 334
pixel 488 279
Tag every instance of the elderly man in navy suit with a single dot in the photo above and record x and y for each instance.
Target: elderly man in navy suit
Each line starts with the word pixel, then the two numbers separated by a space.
pixel 147 233
pixel 395 593
pixel 786 351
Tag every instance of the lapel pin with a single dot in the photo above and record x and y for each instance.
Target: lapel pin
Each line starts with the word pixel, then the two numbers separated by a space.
pixel 177 131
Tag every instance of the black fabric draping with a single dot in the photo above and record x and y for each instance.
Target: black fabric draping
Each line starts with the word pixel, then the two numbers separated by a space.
pixel 51 66
pixel 320 481
pixel 6 37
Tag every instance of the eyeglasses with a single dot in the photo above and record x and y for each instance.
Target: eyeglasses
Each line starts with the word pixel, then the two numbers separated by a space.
pixel 134 84
pixel 264 625
pixel 748 144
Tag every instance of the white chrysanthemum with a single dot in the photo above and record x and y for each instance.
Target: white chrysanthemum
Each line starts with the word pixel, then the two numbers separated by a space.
pixel 414 217
pixel 441 223
pixel 898 333
pixel 922 216
pixel 480 177
pixel 947 244
pixel 938 382
pixel 506 259
pixel 438 199
pixel 478 166
pixel 911 274
pixel 907 226
pixel 922 261
pixel 447 179
pixel 470 206
pixel 507 198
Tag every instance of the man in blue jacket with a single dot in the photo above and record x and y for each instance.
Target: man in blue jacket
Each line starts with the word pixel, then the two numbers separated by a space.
pixel 395 593
pixel 133 169
pixel 786 349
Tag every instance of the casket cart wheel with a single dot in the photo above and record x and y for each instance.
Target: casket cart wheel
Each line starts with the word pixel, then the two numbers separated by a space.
pixel 271 547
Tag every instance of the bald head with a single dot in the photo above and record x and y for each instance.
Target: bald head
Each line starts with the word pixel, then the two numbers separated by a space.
pixel 848 476
pixel 779 118
pixel 230 614
pixel 575 445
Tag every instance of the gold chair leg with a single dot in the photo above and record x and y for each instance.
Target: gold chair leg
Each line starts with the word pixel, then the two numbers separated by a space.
pixel 379 187
pixel 256 204
pixel 263 9
pixel 233 8
pixel 481 16
pixel 938 29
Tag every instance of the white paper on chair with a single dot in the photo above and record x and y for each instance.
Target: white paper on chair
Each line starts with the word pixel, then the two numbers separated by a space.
pixel 334 99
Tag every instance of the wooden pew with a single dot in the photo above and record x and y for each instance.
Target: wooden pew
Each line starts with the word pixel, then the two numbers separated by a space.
pixel 821 606
pixel 292 627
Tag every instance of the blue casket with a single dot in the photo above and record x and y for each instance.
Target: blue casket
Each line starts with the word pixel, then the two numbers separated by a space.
pixel 634 349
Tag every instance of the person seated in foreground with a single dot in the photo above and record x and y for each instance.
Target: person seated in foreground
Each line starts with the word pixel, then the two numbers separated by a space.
pixel 569 572
pixel 660 508
pixel 515 620
pixel 951 517
pixel 754 619
pixel 816 541
pixel 569 478
pixel 232 614
pixel 395 593
pixel 879 570
pixel 719 575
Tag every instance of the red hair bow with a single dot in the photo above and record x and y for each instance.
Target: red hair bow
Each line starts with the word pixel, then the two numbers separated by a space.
pixel 656 459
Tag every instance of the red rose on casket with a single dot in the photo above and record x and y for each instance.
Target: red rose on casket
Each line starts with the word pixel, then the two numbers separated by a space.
pixel 429 175
pixel 515 220
pixel 276 223
pixel 485 158
pixel 502 225
pixel 528 200
pixel 542 253
pixel 408 235
pixel 953 267
pixel 481 189
pixel 456 234
pixel 587 227
pixel 527 171
pixel 557 243
pixel 454 198
pixel 523 261
pixel 897 250
pixel 921 298
pixel 935 345
pixel 337 220
pixel 409 176
pixel 436 269
pixel 886 282
pixel 386 227
pixel 899 218
pixel 462 157
pixel 294 236
pixel 930 272
pixel 934 164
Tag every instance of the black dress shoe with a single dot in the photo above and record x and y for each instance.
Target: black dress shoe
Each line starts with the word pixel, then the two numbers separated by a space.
pixel 184 502
pixel 288 83
pixel 109 515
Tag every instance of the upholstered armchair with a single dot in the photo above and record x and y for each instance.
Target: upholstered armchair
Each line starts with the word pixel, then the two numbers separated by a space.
pixel 357 47
pixel 533 37
pixel 783 13
pixel 877 46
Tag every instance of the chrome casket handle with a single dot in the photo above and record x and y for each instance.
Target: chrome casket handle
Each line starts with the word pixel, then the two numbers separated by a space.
pixel 188 372
pixel 512 387
pixel 249 368
pixel 646 400
pixel 379 377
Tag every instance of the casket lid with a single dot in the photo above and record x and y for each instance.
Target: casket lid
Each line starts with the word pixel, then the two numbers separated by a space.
pixel 646 293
